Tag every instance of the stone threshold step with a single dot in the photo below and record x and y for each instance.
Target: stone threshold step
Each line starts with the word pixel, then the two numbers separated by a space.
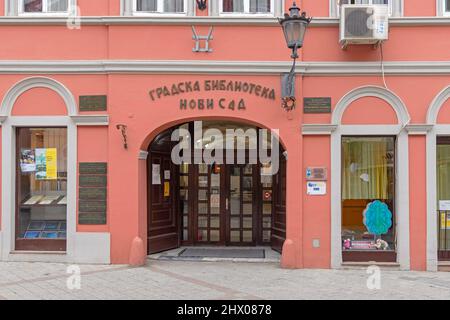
pixel 386 265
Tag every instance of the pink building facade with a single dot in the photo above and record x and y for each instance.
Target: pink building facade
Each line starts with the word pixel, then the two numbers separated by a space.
pixel 88 88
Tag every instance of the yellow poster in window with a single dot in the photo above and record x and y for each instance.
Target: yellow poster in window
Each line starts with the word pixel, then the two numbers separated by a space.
pixel 52 164
pixel 445 217
pixel 46 164
pixel 166 189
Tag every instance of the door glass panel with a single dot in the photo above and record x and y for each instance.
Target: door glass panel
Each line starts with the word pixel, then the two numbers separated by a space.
pixel 247 196
pixel 184 181
pixel 235 236
pixel 202 194
pixel 247 183
pixel 184 168
pixel 215 222
pixel 247 208
pixel 248 222
pixel 202 235
pixel 247 236
pixel 267 222
pixel 203 168
pixel 215 180
pixel 267 208
pixel 214 235
pixel 266 235
pixel 235 223
pixel 185 234
pixel 183 194
pixel 203 181
pixel 202 208
pixel 202 222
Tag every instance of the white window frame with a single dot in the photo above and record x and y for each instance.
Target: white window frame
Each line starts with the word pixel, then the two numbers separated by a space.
pixel 71 4
pixel 445 10
pixel 394 10
pixel 160 11
pixel 247 10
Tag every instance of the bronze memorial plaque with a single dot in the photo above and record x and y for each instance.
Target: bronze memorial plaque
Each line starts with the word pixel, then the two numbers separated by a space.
pixel 92 181
pixel 92 193
pixel 93 103
pixel 92 218
pixel 93 168
pixel 317 105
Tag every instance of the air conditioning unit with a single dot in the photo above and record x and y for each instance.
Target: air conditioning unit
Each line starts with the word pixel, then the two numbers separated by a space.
pixel 363 24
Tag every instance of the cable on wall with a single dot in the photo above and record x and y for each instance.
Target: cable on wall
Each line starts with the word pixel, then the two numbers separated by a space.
pixel 382 65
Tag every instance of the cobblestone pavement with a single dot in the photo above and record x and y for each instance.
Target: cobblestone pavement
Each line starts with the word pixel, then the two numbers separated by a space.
pixel 213 280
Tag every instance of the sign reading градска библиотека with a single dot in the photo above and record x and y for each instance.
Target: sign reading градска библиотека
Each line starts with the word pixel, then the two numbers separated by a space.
pixel 238 87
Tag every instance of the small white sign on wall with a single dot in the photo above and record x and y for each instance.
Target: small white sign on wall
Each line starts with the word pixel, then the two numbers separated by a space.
pixel 444 205
pixel 316 188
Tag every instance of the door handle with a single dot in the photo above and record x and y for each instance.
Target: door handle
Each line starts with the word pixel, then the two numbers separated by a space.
pixel 226 203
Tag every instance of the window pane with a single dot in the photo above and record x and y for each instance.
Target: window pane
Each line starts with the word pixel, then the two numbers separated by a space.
pixel 259 6
pixel 173 5
pixel 233 6
pixel 41 184
pixel 32 5
pixel 147 5
pixel 58 5
pixel 368 183
pixel 443 171
pixel 447 5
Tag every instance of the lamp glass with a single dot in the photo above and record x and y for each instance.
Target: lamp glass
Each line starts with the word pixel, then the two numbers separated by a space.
pixel 294 32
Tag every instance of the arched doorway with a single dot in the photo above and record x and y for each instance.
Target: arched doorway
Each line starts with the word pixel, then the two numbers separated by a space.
pixel 200 196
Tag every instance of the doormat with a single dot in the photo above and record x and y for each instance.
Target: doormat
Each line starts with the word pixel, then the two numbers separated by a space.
pixel 223 253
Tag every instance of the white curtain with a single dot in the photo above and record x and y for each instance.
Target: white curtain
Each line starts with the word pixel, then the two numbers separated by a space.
pixel 259 6
pixel 173 5
pixel 58 5
pixel 233 6
pixel 147 5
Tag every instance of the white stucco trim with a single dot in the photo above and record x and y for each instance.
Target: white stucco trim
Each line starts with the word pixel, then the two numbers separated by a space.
pixel 143 155
pixel 76 242
pixel 92 247
pixel 37 82
pixel 371 91
pixel 436 104
pixel 402 169
pixel 316 68
pixel 318 129
pixel 437 130
pixel 126 19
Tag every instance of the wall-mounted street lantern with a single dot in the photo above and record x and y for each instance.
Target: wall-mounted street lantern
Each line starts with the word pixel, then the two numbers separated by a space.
pixel 294 27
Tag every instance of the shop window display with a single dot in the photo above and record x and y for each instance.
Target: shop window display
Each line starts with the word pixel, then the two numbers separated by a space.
pixel 41 189
pixel 368 175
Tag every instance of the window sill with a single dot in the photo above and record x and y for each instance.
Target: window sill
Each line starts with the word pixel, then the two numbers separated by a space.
pixel 160 14
pixel 44 14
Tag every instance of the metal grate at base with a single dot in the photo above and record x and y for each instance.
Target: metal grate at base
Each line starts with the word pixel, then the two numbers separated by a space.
pixel 223 253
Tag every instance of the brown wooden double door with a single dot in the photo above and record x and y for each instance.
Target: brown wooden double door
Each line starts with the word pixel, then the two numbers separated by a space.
pixel 225 208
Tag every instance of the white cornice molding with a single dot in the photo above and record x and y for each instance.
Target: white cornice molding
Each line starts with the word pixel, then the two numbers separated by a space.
pixel 259 21
pixel 418 129
pixel 91 120
pixel 318 129
pixel 222 67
